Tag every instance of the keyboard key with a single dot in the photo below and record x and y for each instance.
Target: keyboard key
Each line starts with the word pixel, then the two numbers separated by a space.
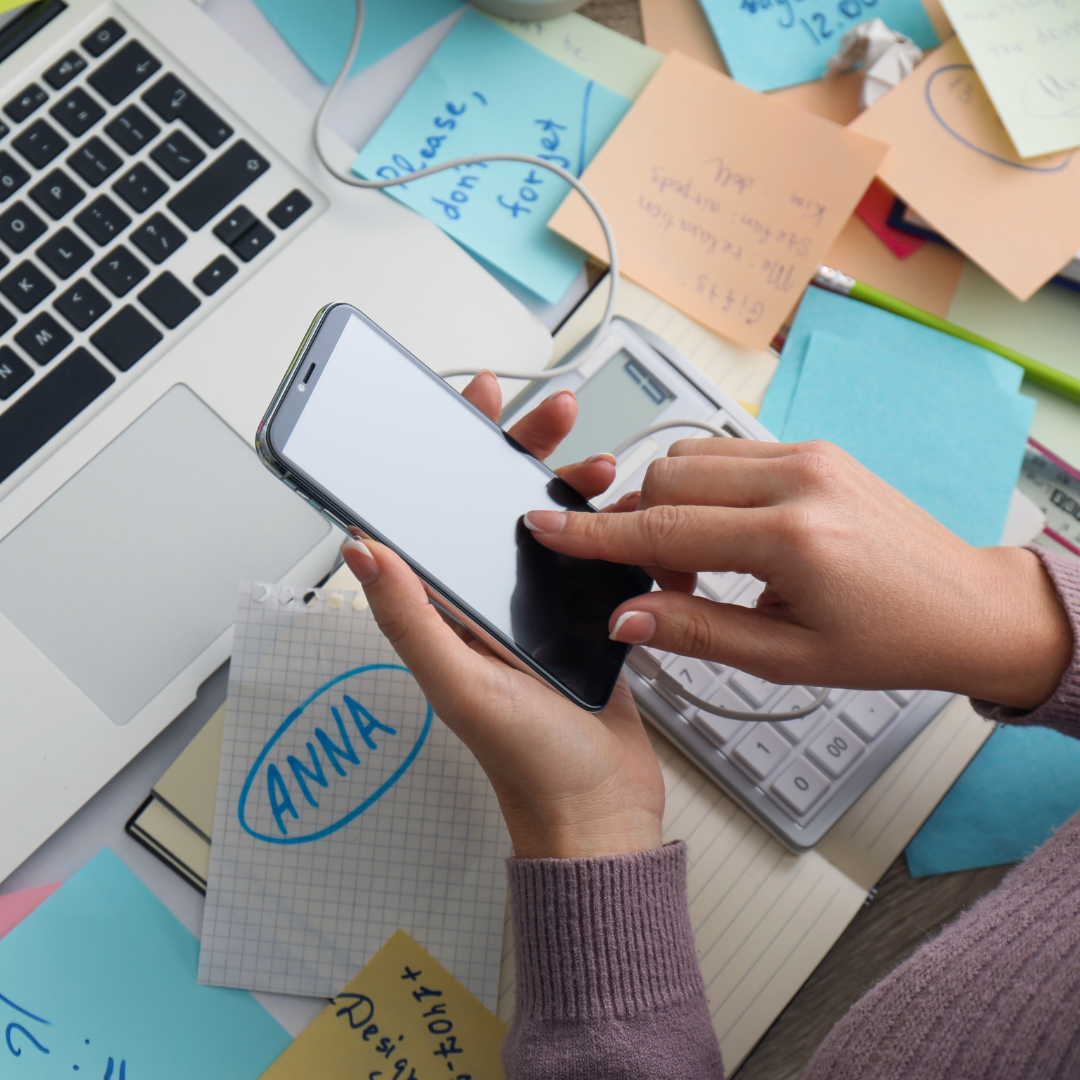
pixel 721 729
pixel 13 372
pixel 48 407
pixel 43 338
pixel 95 162
pixel 289 209
pixel 7 320
pixel 126 338
pixel 762 750
pixel 64 253
pixel 218 184
pixel 170 301
pixel 869 713
pixel 836 748
pixel 215 275
pixel 64 70
pixel 82 305
pixel 12 176
pixel 798 697
pixel 903 696
pixel 252 242
pixel 800 786
pixel 756 690
pixel 26 286
pixel 104 37
pixel 158 238
pixel 20 227
pixel 40 143
pixel 78 112
pixel 129 68
pixel 231 228
pixel 103 221
pixel 20 107
pixel 172 100
pixel 120 271
pixel 140 188
pixel 695 675
pixel 132 129
pixel 177 155
pixel 57 194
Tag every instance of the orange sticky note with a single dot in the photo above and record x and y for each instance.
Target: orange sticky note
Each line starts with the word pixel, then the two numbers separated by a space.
pixel 952 161
pixel 723 201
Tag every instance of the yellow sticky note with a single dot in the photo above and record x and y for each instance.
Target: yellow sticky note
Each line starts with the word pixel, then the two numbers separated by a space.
pixel 404 1017
pixel 724 201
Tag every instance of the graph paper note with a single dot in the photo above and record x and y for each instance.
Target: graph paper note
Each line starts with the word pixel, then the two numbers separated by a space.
pixel 345 811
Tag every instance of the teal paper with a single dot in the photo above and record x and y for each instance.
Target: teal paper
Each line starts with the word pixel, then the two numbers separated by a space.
pixel 99 982
pixel 1022 785
pixel 871 328
pixel 486 91
pixel 319 31
pixel 945 435
pixel 772 43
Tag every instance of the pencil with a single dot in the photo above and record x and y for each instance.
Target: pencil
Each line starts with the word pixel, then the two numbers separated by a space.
pixel 1043 374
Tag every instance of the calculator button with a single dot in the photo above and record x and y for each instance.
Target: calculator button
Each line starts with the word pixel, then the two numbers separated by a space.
pixel 215 275
pixel 82 305
pixel 20 107
pixel 252 242
pixel 762 750
pixel 721 729
pixel 64 253
pixel 78 111
pixel 836 748
pixel 903 696
pixel 170 301
pixel 43 338
pixel 869 713
pixel 132 129
pixel 102 220
pixel 218 184
pixel 157 238
pixel 800 786
pixel 126 338
pixel 289 209
pixel 747 596
pixel 798 697
pixel 64 70
pixel 104 37
pixel 172 100
pixel 177 155
pixel 20 227
pixel 12 176
pixel 26 286
pixel 40 143
pixel 757 690
pixel 129 68
pixel 13 372
pixel 695 675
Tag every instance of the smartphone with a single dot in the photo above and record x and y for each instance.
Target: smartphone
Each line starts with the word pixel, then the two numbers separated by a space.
pixel 376 441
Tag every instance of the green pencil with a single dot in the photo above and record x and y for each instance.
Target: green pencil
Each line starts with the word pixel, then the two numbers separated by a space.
pixel 1043 374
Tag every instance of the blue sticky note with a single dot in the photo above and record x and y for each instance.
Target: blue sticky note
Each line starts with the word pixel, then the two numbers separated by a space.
pixel 948 438
pixel 319 31
pixel 871 328
pixel 100 982
pixel 486 91
pixel 772 43
pixel 1022 785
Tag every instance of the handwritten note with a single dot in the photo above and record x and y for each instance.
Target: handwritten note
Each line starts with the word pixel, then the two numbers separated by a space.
pixel 723 201
pixel 405 1017
pixel 99 982
pixel 1027 54
pixel 952 161
pixel 772 43
pixel 487 91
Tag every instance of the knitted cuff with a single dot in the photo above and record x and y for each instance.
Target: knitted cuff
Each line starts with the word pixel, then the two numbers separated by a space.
pixel 602 937
pixel 1062 710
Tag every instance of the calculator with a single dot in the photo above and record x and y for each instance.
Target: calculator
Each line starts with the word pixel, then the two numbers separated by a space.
pixel 796 777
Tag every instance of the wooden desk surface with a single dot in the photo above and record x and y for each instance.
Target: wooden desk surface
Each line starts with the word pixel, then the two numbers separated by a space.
pixel 905 911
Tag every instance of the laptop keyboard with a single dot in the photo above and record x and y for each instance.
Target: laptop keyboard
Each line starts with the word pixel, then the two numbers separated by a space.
pixel 112 165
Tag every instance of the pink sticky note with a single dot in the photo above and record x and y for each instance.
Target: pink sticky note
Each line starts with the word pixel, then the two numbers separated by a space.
pixel 16 906
pixel 874 210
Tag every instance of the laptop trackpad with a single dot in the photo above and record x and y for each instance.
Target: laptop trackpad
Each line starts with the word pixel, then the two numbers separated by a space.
pixel 130 570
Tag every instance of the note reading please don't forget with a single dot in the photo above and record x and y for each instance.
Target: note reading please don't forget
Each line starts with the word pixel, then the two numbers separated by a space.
pixel 723 201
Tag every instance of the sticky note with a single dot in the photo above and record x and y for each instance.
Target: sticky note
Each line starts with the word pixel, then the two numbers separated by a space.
pixel 99 981
pixel 772 43
pixel 319 33
pixel 1028 58
pixel 723 201
pixel 403 1015
pixel 1022 785
pixel 952 161
pixel 874 209
pixel 487 91
pixel 14 907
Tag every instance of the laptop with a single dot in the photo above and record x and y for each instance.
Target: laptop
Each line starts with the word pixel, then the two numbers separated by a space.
pixel 166 236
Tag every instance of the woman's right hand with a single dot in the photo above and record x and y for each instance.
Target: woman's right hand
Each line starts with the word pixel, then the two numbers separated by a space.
pixel 863 588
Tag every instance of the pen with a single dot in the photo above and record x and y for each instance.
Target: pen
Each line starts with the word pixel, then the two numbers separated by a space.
pixel 1043 374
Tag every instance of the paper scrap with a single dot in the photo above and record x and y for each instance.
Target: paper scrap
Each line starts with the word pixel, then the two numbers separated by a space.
pixel 885 57
pixel 404 1012
pixel 1022 785
pixel 874 209
pixel 487 91
pixel 14 907
pixel 99 981
pixel 723 201
pixel 1028 58
pixel 772 43
pixel 319 33
pixel 952 161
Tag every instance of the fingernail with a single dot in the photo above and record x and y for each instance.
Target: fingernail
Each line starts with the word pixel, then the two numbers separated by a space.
pixel 609 458
pixel 545 521
pixel 552 397
pixel 362 563
pixel 485 371
pixel 634 628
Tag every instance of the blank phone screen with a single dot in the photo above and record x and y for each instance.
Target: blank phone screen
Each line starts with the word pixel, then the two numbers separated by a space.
pixel 421 469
